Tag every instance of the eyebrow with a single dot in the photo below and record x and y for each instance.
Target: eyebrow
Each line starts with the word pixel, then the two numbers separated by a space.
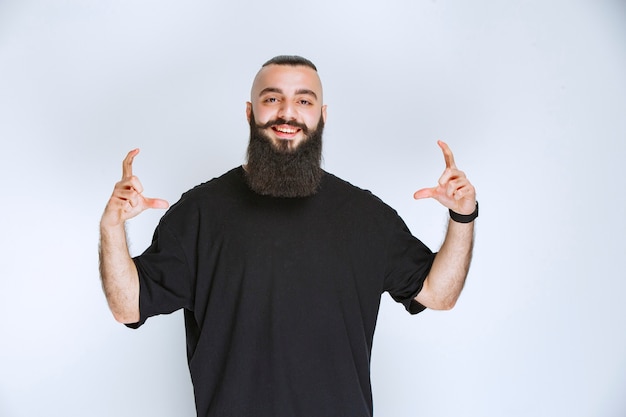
pixel 279 91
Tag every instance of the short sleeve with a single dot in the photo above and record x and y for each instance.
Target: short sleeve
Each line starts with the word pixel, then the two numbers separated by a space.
pixel 408 264
pixel 164 277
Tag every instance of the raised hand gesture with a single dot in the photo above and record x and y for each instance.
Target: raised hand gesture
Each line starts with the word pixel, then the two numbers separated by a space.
pixel 454 190
pixel 127 200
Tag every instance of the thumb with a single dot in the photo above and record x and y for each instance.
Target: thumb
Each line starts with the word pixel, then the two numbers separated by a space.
pixel 424 193
pixel 156 203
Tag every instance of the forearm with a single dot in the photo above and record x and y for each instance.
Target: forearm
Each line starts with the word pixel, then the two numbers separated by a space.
pixel 118 272
pixel 446 278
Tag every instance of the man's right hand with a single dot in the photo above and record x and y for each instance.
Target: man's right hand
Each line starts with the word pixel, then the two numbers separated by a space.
pixel 120 279
pixel 127 200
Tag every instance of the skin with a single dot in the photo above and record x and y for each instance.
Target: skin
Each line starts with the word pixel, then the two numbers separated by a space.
pixel 447 275
pixel 290 93
pixel 295 95
pixel 120 280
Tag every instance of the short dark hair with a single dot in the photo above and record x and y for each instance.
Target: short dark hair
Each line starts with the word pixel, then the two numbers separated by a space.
pixel 291 60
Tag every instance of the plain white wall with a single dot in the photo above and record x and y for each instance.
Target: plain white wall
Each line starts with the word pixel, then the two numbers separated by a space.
pixel 530 95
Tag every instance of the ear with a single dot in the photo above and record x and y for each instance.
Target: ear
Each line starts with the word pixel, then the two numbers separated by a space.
pixel 324 113
pixel 248 110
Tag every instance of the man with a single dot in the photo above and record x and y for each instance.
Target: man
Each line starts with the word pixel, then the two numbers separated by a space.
pixel 279 266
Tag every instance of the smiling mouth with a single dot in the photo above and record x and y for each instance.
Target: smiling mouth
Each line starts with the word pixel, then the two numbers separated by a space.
pixel 285 131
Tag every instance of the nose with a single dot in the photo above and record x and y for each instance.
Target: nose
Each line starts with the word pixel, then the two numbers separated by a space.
pixel 287 111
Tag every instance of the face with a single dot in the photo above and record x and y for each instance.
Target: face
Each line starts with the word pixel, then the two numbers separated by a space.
pixel 287 103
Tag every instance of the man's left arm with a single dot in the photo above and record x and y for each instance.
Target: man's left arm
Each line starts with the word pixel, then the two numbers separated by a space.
pixel 446 278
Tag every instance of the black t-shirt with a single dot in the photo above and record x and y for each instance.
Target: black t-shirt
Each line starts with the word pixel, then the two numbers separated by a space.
pixel 280 295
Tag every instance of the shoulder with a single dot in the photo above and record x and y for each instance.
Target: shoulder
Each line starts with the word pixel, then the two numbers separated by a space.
pixel 332 183
pixel 210 193
pixel 358 198
pixel 229 181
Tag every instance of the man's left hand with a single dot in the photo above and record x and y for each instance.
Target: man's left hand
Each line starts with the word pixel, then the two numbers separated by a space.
pixel 454 190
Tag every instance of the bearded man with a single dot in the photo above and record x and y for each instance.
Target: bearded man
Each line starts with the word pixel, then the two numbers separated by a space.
pixel 279 266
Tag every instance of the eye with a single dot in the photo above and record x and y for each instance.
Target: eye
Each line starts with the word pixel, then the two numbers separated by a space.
pixel 271 100
pixel 305 102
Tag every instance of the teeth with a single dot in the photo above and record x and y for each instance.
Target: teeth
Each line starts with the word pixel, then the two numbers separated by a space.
pixel 286 130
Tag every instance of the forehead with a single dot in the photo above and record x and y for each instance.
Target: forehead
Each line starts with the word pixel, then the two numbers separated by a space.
pixel 288 79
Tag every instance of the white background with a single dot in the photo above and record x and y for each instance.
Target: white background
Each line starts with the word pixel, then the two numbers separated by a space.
pixel 530 95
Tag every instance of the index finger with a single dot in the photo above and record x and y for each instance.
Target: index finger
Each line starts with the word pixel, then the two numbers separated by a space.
pixel 447 154
pixel 127 165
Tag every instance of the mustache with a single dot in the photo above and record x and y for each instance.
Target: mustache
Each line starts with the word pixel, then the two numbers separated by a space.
pixel 281 121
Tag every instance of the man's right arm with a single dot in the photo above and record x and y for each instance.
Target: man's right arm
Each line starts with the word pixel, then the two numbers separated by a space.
pixel 120 280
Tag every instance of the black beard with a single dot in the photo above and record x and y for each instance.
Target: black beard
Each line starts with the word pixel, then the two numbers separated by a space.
pixel 280 171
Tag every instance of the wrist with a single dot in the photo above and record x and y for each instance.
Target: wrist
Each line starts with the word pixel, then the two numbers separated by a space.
pixel 112 227
pixel 464 218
